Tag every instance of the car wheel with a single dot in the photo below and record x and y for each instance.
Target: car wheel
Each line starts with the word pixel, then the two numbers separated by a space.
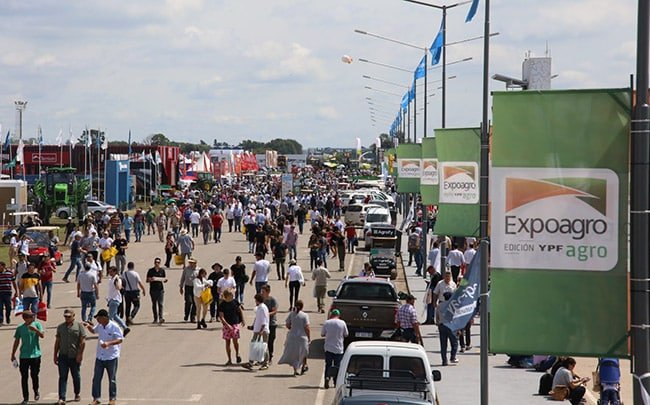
pixel 6 239
pixel 63 215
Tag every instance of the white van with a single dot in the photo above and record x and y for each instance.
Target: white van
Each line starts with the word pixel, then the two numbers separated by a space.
pixel 374 216
pixel 386 367
pixel 356 213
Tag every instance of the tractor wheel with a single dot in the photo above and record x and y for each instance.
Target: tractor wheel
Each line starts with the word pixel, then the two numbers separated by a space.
pixel 63 215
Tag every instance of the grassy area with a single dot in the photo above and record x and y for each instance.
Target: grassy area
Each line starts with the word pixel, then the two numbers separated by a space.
pixel 4 254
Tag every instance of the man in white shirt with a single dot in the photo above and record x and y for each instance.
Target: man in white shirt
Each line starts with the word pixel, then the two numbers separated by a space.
pixel 260 329
pixel 132 286
pixel 441 293
pixel 261 270
pixel 469 254
pixel 455 260
pixel 88 291
pixel 109 343
pixel 195 220
pixel 334 331
pixel 434 255
pixel 114 298
pixel 226 283
pixel 105 243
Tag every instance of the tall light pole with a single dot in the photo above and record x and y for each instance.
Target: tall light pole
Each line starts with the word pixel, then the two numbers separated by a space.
pixel 20 107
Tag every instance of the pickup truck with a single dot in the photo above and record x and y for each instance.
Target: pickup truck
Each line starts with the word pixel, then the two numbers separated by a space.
pixel 368 305
pixel 394 372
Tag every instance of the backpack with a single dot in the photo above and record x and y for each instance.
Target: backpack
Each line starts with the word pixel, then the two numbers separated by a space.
pixel 414 242
pixel 545 384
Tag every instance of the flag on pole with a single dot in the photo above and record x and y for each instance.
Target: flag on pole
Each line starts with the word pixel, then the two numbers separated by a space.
pixel 40 136
pixel 5 146
pixel 129 144
pixel 472 11
pixel 436 46
pixel 105 143
pixel 19 153
pixel 73 140
pixel 420 70
pixel 460 308
pixel 358 147
pixel 405 101
pixel 59 138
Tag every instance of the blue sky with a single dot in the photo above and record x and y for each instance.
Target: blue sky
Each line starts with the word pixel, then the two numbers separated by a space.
pixel 264 69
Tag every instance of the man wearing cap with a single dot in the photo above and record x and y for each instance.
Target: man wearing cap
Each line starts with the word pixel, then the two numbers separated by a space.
pixel 334 331
pixel 28 335
pixel 407 320
pixel 109 343
pixel 68 353
pixel 186 286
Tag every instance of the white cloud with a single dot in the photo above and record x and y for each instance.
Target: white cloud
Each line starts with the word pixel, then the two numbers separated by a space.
pixel 329 113
pixel 45 60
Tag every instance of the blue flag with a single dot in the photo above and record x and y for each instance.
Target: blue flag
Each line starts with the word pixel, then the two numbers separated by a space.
pixel 420 70
pixel 436 46
pixel 405 101
pixel 472 11
pixel 460 308
pixel 412 92
pixel 5 146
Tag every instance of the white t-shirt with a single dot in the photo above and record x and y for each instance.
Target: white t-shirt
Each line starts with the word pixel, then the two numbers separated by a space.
pixel 226 283
pixel 442 288
pixel 195 217
pixel 469 255
pixel 105 243
pixel 261 322
pixel 262 268
pixel 294 273
pixel 455 258
pixel 114 283
pixel 334 330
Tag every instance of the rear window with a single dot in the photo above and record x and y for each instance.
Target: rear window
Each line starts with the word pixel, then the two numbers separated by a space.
pixel 412 364
pixel 366 362
pixel 354 208
pixel 367 291
pixel 377 218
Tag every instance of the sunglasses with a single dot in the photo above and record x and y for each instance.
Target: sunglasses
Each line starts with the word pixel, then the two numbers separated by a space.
pixel 67 316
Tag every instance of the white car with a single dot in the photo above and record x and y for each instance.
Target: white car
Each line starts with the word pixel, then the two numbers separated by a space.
pixel 93 206
pixel 356 213
pixel 374 216
pixel 387 368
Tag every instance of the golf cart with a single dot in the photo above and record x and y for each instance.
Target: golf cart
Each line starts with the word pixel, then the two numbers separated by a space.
pixel 382 250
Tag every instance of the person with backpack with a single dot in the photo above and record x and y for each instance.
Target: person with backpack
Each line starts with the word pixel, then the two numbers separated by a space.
pixel 414 249
pixel 114 298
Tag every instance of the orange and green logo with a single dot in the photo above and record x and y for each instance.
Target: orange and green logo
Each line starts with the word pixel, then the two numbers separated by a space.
pixel 450 171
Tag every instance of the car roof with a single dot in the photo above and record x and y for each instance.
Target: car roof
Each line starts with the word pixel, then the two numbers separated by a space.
pixel 378 280
pixel 380 209
pixel 384 344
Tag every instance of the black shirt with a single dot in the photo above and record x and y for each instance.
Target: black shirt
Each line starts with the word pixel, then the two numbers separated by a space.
pixel 230 311
pixel 280 250
pixel 238 272
pixel 156 286
pixel 120 244
pixel 215 276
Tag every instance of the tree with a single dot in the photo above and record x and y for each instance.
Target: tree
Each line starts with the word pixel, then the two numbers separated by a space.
pixel 158 139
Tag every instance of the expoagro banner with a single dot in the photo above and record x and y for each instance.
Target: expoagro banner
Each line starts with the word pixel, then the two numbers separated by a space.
pixel 458 155
pixel 559 220
pixel 430 178
pixel 409 168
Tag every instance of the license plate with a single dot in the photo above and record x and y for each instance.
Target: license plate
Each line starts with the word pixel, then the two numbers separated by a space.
pixel 363 334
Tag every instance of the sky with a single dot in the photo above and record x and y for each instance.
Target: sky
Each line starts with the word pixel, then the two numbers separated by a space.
pixel 264 69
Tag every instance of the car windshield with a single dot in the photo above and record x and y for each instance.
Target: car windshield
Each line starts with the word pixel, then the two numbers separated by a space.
pixel 39 239
pixel 377 218
pixel 367 291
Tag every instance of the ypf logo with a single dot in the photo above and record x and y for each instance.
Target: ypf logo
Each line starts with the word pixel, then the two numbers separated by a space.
pixel 409 168
pixel 430 172
pixel 459 183
pixel 555 218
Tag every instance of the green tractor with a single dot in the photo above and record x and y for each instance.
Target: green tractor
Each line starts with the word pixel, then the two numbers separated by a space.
pixel 60 188
pixel 204 181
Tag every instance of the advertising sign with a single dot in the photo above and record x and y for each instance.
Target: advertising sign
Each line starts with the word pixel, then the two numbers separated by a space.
pixel 430 172
pixel 559 222
pixel 459 182
pixel 287 183
pixel 409 168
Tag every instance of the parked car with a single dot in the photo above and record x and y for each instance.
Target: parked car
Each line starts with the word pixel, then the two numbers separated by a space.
pixel 368 306
pixel 93 207
pixel 356 213
pixel 394 372
pixel 374 216
pixel 40 244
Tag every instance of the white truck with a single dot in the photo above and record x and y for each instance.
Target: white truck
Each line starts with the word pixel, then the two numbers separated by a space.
pixel 396 370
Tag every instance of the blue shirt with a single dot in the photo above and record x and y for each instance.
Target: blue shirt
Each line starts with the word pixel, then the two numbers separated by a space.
pixel 127 223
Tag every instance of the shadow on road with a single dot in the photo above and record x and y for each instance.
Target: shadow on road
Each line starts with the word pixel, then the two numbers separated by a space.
pixel 202 365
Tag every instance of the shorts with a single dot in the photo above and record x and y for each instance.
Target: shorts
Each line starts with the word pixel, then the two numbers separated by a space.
pixel 230 333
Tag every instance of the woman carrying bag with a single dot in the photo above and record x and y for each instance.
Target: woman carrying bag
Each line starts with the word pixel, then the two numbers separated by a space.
pixel 202 297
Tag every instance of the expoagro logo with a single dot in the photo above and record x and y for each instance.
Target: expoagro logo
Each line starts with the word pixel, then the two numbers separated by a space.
pixel 556 218
pixel 429 172
pixel 409 168
pixel 459 182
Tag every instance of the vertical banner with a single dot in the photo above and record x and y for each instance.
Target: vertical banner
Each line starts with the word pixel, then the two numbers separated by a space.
pixel 390 157
pixel 458 155
pixel 409 168
pixel 559 220
pixel 430 178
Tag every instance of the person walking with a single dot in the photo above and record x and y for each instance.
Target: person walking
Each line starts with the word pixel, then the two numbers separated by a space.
pixel 170 248
pixel 195 221
pixel 88 291
pixel 206 227
pixel 294 280
pixel 280 257
pixel 291 240
pixel 296 347
pixel 232 318
pixel 407 320
pixel 443 292
pixel 69 347
pixel 320 275
pixel 217 222
pixel 8 290
pixel 161 223
pixel 215 276
pixel 261 270
pixel 272 306
pixel 241 278
pixel 105 244
pixel 185 245
pixel 334 330
pixel 260 329
pixel 114 298
pixel 132 286
pixel 121 244
pixel 186 286
pixel 455 260
pixel 156 277
pixel 199 284
pixel 75 257
pixel 28 336
pixel 230 217
pixel 338 240
pixel 31 288
pixel 109 344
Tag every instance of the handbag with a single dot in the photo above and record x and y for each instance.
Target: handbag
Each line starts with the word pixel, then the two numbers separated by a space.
pixel 560 393
pixel 245 278
pixel 18 307
pixel 257 350
pixel 206 296
pixel 178 260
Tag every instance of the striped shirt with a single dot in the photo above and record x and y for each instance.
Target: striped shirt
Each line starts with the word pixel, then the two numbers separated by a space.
pixel 6 281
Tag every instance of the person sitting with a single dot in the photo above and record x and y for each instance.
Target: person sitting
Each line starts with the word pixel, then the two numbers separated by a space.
pixel 568 385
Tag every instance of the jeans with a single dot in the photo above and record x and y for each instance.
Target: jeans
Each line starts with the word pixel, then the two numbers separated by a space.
pixel 139 229
pixel 75 261
pixel 323 256
pixel 88 299
pixel 120 263
pixel 455 272
pixel 341 254
pixel 206 237
pixel 313 255
pixel 111 369
pixel 68 365
pixel 272 329
pixel 127 235
pixel 294 290
pixel 609 397
pixel 190 308
pixel 576 394
pixel 293 253
pixel 113 306
pixel 447 334
pixel 31 303
pixel 27 366
pixel 157 303
pixel 214 305
pixel 216 234
pixel 47 286
pixel 279 267
pixel 350 245
pixel 131 298
pixel 237 224
pixel 239 295
pixel 168 258
pixel 259 285
pixel 195 230
pixel 418 262
pixel 332 360
pixel 230 222
pixel 5 307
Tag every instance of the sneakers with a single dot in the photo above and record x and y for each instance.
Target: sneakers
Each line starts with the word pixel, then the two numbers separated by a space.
pixel 264 367
pixel 162 320
pixel 228 363
pixel 127 331
pixel 238 359
pixel 327 383
pixel 60 402
pixel 454 361
pixel 37 396
pixel 462 349
pixel 247 366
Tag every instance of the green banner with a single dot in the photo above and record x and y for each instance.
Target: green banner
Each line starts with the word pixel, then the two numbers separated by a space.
pixel 429 178
pixel 458 157
pixel 559 209
pixel 409 168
